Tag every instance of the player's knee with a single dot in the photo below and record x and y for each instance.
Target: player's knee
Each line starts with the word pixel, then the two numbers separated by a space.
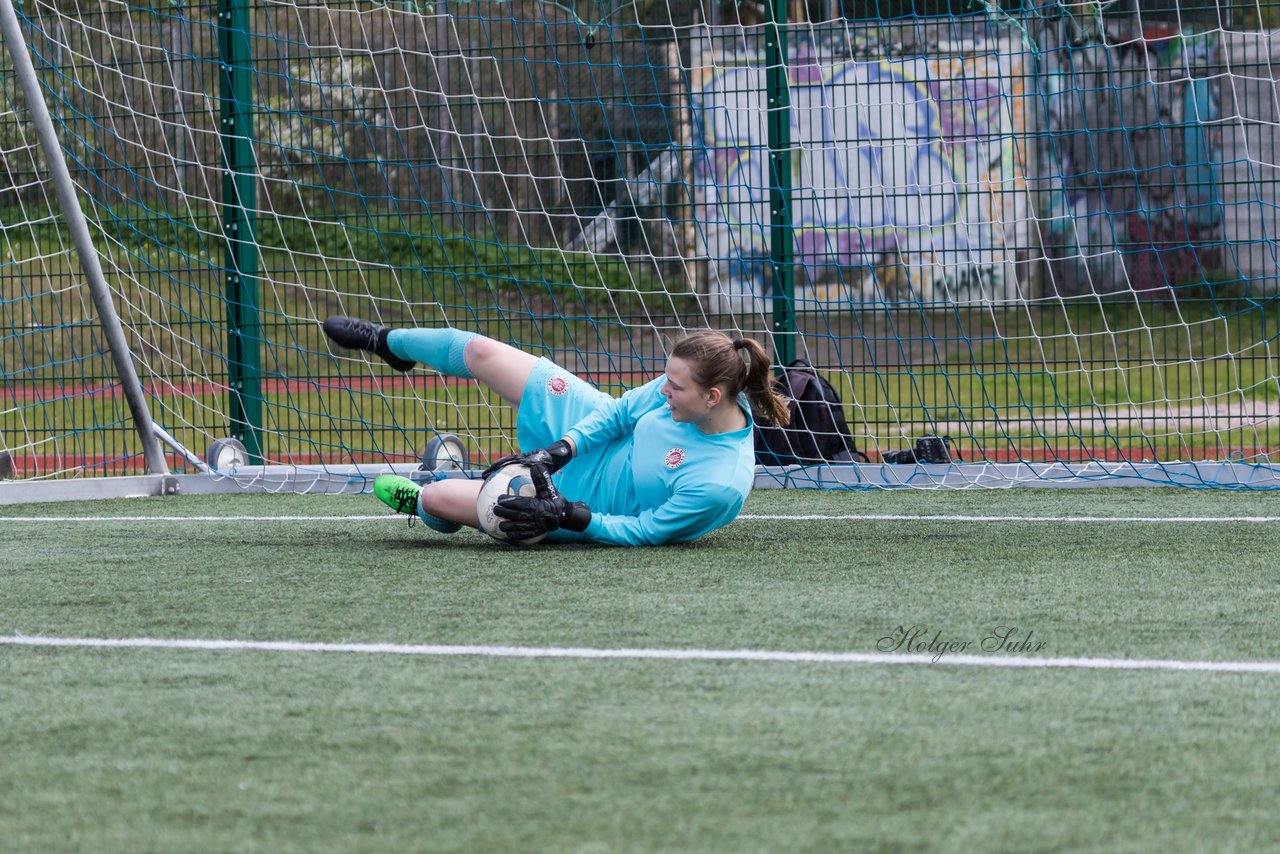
pixel 434 503
pixel 482 351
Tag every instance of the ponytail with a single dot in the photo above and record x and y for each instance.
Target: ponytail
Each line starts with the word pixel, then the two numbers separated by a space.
pixel 759 384
pixel 739 365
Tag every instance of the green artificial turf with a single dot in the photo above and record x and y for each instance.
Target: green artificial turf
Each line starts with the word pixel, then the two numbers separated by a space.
pixel 166 750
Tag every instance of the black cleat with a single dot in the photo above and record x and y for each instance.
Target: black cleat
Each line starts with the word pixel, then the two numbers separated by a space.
pixel 356 334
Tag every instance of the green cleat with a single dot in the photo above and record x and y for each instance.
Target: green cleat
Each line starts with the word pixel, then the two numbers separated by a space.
pixel 401 495
pixel 398 493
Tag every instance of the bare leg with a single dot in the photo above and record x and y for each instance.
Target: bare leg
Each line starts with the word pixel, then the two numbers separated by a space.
pixel 452 500
pixel 501 367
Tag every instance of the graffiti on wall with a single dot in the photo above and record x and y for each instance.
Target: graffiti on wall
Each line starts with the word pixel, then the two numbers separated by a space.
pixel 1130 154
pixel 904 175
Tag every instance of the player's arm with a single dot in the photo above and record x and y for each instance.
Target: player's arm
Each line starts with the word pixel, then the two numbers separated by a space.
pixel 687 515
pixel 616 418
pixel 610 420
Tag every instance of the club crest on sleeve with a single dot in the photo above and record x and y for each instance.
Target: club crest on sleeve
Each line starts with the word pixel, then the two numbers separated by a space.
pixel 557 385
pixel 674 458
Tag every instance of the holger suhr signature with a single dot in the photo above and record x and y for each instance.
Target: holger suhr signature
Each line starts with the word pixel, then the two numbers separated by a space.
pixel 918 639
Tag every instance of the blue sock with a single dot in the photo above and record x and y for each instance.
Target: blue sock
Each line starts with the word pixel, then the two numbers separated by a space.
pixel 439 349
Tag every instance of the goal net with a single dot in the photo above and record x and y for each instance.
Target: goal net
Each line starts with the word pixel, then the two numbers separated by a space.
pixel 1047 234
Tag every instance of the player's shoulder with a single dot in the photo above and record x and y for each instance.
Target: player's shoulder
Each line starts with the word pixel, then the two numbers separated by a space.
pixel 653 386
pixel 647 397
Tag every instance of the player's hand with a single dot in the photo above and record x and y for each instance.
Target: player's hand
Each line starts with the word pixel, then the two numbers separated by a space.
pixel 553 458
pixel 529 517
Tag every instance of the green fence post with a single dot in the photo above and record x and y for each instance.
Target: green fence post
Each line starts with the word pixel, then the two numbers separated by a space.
pixel 239 201
pixel 781 230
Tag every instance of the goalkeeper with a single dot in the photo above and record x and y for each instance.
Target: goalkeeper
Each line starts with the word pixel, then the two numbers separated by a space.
pixel 666 462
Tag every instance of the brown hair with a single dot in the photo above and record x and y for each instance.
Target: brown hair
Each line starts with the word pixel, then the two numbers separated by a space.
pixel 738 365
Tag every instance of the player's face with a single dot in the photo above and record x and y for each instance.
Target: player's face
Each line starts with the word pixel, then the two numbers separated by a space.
pixel 688 401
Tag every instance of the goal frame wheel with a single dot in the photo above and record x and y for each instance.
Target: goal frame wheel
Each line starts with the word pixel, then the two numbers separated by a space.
pixel 445 452
pixel 226 455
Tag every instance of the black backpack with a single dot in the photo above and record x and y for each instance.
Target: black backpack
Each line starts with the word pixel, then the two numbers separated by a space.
pixel 818 431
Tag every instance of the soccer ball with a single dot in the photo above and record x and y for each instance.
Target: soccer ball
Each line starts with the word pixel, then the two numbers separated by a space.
pixel 513 479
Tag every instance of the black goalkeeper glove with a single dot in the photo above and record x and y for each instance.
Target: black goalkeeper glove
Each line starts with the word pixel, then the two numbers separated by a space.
pixel 553 458
pixel 526 518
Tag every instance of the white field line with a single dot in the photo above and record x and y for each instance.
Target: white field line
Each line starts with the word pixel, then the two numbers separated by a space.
pixel 745 517
pixel 380 518
pixel 736 655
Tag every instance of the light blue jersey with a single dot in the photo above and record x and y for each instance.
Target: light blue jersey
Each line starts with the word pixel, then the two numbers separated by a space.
pixel 648 479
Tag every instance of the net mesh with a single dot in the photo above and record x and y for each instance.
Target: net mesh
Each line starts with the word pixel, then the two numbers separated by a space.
pixel 1047 233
